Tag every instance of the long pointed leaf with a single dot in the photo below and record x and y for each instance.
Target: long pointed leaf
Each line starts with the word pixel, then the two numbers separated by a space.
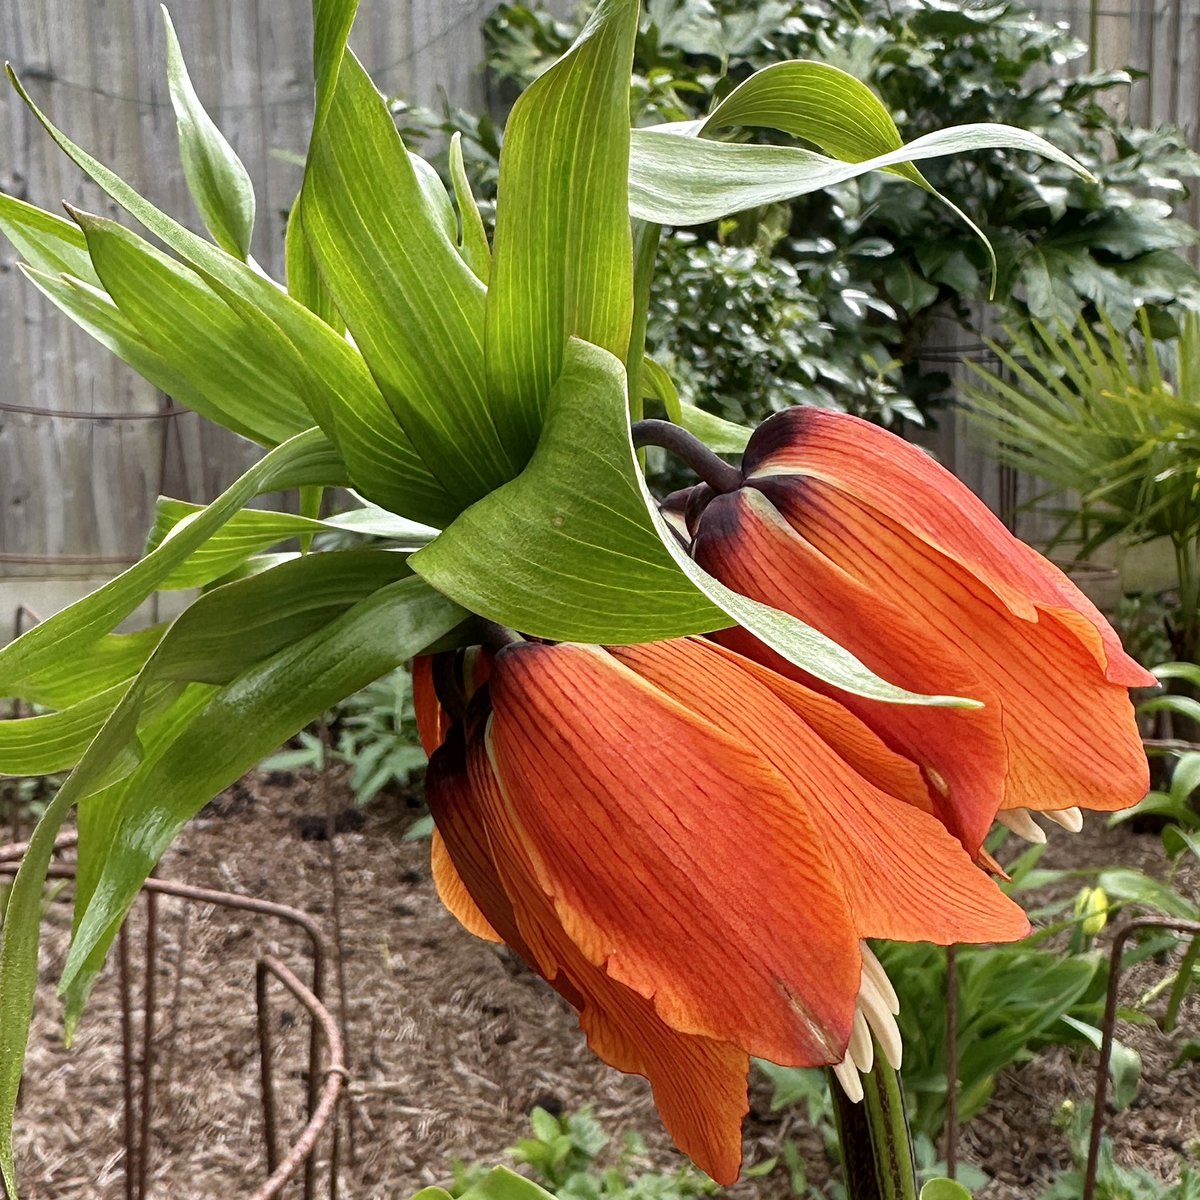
pixel 563 253
pixel 416 310
pixel 678 180
pixel 329 373
pixel 219 183
pixel 184 323
pixel 305 459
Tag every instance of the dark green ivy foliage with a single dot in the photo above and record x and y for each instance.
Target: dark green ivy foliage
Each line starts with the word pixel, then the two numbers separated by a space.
pixel 829 300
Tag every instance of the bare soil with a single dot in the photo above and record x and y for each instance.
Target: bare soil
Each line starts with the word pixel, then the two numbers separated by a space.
pixel 451 1041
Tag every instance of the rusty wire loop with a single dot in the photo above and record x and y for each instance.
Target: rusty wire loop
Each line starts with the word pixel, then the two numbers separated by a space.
pixel 334 1079
pixel 1108 1028
pixel 324 1088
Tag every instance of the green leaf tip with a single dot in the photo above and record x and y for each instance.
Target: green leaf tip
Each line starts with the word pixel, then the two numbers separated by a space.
pixel 218 181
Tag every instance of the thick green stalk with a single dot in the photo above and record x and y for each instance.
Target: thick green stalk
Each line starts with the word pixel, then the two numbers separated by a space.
pixel 876 1146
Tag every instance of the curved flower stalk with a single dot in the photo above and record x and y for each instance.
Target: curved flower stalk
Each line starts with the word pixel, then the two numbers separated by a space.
pixel 867 538
pixel 693 849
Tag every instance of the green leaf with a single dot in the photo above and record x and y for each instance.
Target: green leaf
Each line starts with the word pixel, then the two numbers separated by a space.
pixel 819 103
pixel 473 240
pixel 415 309
pixel 242 722
pixel 1124 1064
pixel 252 530
pixel 307 458
pixel 656 381
pixel 502 1184
pixel 93 310
pixel 111 660
pixel 219 183
pixel 715 432
pixel 563 253
pixel 681 180
pixel 1135 888
pixel 48 243
pixel 304 281
pixel 574 549
pixel 232 377
pixel 54 742
pixel 206 747
pixel 944 1189
pixel 328 372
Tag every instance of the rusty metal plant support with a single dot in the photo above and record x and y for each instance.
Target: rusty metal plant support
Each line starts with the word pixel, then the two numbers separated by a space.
pixel 1108 1028
pixel 324 1088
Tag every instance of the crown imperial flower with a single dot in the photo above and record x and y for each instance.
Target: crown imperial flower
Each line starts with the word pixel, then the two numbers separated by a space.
pixel 692 849
pixel 865 537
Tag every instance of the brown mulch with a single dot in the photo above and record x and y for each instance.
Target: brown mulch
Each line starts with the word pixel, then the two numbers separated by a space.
pixel 451 1041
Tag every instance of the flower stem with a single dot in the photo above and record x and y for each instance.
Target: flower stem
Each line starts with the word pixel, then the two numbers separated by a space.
pixel 718 474
pixel 876 1146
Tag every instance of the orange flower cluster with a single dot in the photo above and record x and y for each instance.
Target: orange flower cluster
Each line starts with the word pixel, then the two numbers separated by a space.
pixel 692 840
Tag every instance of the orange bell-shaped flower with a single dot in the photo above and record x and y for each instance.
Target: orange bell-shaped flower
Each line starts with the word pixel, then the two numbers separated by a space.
pixel 691 849
pixel 865 537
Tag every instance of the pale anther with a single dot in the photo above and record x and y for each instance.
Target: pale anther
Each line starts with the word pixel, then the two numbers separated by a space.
pixel 1071 819
pixel 1022 824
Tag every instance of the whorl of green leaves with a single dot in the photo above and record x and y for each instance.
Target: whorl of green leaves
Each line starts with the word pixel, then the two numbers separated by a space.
pixel 479 407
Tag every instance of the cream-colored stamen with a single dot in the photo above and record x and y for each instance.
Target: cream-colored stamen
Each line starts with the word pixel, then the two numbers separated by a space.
pixel 1022 824
pixel 862 1046
pixel 874 1021
pixel 873 969
pixel 847 1075
pixel 1071 819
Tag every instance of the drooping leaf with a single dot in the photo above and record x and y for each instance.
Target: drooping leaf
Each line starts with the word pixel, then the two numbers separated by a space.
pixel 219 183
pixel 679 180
pixel 51 742
pixel 822 104
pixel 563 253
pixel 216 742
pixel 252 530
pixel 46 242
pixel 574 548
pixel 242 722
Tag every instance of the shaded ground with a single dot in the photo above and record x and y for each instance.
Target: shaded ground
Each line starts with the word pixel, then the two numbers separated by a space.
pixel 452 1043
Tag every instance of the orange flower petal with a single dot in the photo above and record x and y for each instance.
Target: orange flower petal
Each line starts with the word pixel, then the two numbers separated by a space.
pixel 699 1084
pixel 464 872
pixel 745 543
pixel 678 860
pixel 1071 734
pixel 454 893
pixel 897 480
pixel 432 721
pixel 906 878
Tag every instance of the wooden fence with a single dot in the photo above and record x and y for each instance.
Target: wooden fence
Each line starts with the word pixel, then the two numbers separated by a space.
pixel 85 445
